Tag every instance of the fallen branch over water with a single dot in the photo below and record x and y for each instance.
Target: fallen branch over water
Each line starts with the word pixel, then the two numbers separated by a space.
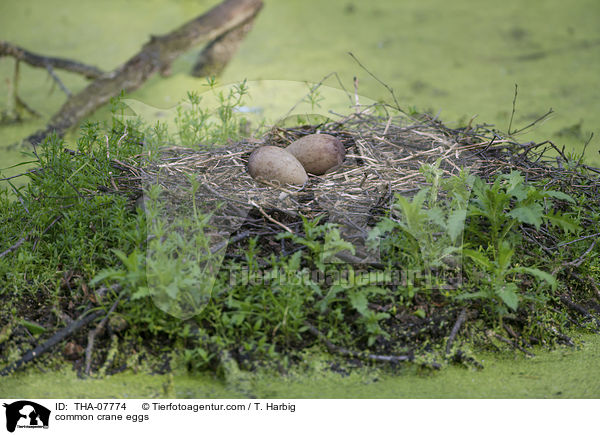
pixel 459 321
pixel 156 56
pixel 41 61
pixel 61 335
pixel 52 341
pixel 359 355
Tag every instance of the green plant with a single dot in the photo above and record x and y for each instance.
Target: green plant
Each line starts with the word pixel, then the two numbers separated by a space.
pixel 198 125
pixel 497 210
pixel 499 283
pixel 495 213
pixel 347 292
pixel 314 96
pixel 424 234
pixel 74 229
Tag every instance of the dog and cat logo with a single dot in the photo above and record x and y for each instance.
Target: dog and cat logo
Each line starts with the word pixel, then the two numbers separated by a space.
pixel 25 414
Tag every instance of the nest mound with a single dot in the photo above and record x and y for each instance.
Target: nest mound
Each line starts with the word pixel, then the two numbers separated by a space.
pixel 384 157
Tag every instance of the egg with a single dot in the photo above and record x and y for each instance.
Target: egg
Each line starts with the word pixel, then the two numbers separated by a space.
pixel 275 164
pixel 318 153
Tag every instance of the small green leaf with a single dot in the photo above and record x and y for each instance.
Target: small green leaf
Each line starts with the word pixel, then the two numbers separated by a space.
pixel 456 224
pixel 436 216
pixel 528 214
pixel 478 257
pixel 32 327
pixel 515 180
pixel 359 302
pixel 474 295
pixel 420 313
pixel 105 274
pixel 540 274
pixel 294 261
pixel 567 224
pixel 559 195
pixel 508 296
pixel 504 256
pixel 140 293
pixel 172 289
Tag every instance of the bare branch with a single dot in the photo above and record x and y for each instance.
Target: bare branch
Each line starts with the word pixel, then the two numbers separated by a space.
pixel 459 321
pixel 40 61
pixel 156 56
pixel 215 57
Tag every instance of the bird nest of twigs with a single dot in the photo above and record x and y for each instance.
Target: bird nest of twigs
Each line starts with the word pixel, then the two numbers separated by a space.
pixel 384 157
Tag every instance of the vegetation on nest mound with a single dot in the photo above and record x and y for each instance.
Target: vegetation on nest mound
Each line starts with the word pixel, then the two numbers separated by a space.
pixel 428 242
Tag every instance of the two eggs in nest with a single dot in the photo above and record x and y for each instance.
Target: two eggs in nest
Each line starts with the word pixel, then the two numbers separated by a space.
pixel 314 154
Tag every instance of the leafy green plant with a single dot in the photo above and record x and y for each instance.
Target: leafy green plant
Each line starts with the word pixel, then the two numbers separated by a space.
pixel 495 213
pixel 348 292
pixel 322 240
pixel 198 125
pixel 424 234
pixel 499 283
pixel 497 210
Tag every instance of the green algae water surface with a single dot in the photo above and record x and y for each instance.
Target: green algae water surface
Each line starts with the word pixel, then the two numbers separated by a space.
pixel 560 373
pixel 458 59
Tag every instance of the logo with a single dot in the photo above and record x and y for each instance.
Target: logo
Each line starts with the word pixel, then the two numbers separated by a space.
pixel 26 414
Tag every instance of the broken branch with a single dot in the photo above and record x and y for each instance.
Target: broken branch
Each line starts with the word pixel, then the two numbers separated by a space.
pixel 156 56
pixel 39 61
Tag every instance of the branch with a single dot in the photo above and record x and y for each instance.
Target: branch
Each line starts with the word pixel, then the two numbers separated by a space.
pixel 360 355
pixel 514 344
pixel 58 81
pixel 39 61
pixel 55 339
pixel 459 321
pixel 156 56
pixel 14 247
pixel 92 336
pixel 70 329
pixel 578 261
pixel 215 57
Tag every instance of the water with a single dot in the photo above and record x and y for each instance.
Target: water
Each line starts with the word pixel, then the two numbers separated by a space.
pixel 560 373
pixel 458 59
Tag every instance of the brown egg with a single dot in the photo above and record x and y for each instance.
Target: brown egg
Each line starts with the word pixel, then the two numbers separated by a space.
pixel 318 153
pixel 275 164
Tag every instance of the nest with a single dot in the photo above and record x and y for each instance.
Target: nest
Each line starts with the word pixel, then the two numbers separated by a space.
pixel 384 157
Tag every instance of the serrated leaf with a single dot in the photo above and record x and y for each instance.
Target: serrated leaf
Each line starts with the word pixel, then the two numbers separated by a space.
pixel 478 257
pixel 529 214
pixel 294 261
pixel 121 255
pixel 106 273
pixel 559 195
pixel 504 256
pixel 509 296
pixel 515 185
pixel 540 274
pixel 456 224
pixel 567 224
pixel 436 215
pixel 359 302
pixel 140 293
